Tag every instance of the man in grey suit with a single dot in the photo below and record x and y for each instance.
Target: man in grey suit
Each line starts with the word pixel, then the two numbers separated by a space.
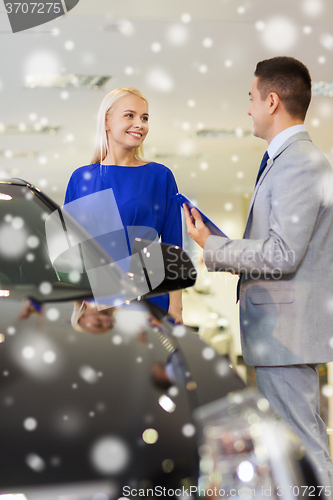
pixel 285 259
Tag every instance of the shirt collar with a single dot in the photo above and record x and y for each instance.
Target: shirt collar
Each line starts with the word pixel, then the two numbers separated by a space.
pixel 279 139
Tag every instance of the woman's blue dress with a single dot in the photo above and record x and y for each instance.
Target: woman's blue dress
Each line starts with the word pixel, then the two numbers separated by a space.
pixel 143 197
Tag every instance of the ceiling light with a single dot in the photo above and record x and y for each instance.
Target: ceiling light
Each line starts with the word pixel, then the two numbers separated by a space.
pixel 222 133
pixel 324 89
pixel 13 496
pixel 28 129
pixel 71 80
pixel 18 154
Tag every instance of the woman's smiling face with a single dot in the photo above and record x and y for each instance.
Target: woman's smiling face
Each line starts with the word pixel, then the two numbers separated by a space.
pixel 126 124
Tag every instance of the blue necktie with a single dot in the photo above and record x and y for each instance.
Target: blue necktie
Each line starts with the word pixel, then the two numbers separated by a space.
pixel 263 165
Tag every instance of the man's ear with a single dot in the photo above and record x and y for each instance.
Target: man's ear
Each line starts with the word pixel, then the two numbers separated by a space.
pixel 273 102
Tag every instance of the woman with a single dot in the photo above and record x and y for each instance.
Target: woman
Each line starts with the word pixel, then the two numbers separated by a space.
pixel 87 318
pixel 142 190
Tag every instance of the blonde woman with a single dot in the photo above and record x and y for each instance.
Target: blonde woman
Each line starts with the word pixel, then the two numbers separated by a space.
pixel 87 318
pixel 143 190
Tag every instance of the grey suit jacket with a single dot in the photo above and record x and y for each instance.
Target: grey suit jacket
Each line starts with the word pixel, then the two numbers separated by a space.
pixel 285 260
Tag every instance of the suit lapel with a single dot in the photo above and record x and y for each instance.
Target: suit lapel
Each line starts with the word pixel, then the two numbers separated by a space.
pixel 271 161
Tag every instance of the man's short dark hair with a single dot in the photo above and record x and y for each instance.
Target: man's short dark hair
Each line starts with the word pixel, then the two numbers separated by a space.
pixel 289 79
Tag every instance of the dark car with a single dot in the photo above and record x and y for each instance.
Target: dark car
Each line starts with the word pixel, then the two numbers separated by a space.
pixel 144 408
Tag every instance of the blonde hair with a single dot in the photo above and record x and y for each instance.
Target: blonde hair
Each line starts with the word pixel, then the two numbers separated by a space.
pixel 80 308
pixel 101 142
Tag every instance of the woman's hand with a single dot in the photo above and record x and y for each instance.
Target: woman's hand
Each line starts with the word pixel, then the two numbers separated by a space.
pixel 176 306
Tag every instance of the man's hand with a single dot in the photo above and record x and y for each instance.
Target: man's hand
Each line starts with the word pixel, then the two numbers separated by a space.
pixel 198 231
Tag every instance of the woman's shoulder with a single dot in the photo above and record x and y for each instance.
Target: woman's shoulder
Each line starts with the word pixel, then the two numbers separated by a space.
pixel 82 172
pixel 159 168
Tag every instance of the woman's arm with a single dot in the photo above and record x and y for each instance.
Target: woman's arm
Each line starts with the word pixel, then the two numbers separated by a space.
pixel 176 306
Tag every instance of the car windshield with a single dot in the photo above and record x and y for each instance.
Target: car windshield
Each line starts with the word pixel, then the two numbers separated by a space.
pixel 25 265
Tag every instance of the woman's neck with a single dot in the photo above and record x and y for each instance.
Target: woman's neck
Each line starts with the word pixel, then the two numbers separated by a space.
pixel 124 158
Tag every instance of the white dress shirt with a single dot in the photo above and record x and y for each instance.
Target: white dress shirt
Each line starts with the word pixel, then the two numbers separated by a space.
pixel 279 139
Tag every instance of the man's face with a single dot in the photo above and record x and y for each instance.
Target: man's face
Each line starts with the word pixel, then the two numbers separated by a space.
pixel 259 111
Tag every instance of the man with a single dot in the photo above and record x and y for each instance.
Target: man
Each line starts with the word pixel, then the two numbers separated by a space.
pixel 285 259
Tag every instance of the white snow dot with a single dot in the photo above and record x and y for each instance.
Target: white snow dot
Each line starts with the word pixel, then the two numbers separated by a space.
pixel 294 219
pixel 139 359
pixel 203 165
pixel 241 10
pixel 312 7
pixel 222 368
pixel 42 160
pixel 208 353
pixel 156 47
pixel 126 27
pixel 179 331
pixel 159 79
pixel 315 122
pixel 203 68
pixel 191 103
pixel 117 339
pixel 260 25
pixel 30 424
pixel 188 430
pixel 186 126
pixel 88 374
pixel 109 455
pixel 177 34
pixel 52 314
pixel 234 158
pixel 35 462
pixel 42 183
pixel 17 223
pixel 69 138
pixel 28 352
pixel 240 175
pixel 321 59
pixel 74 276
pixel 173 391
pixel 327 391
pixel 279 34
pixel 33 242
pixel 64 94
pixel 228 207
pixel 30 257
pixel 11 330
pixel 49 357
pixel 69 45
pixel 8 153
pixel 45 288
pixel 129 70
pixel 186 18
pixel 307 30
pixel 207 43
pixel 228 63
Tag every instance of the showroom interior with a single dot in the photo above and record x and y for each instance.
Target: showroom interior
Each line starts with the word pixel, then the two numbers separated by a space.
pixel 195 62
